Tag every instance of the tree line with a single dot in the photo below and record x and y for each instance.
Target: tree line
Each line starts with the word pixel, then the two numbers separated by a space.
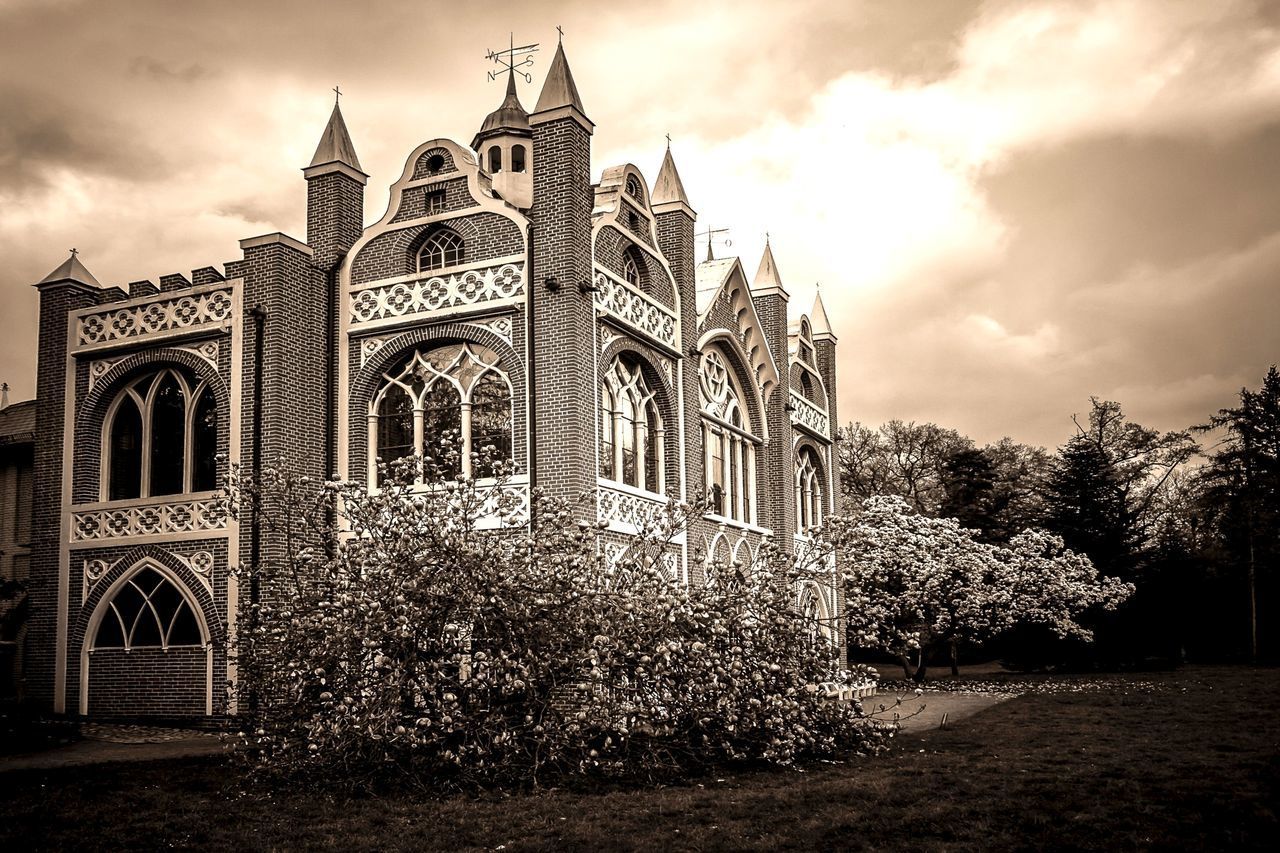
pixel 1189 517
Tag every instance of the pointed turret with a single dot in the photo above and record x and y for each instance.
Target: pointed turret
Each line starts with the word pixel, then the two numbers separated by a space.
pixel 560 93
pixel 818 319
pixel 71 270
pixel 335 144
pixel 335 193
pixel 668 190
pixel 767 279
pixel 505 143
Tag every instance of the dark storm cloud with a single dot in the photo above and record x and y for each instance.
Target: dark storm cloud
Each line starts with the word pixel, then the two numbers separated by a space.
pixel 40 133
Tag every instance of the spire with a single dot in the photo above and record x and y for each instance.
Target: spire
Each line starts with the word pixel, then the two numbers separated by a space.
pixel 767 273
pixel 668 188
pixel 818 320
pixel 559 90
pixel 71 270
pixel 335 144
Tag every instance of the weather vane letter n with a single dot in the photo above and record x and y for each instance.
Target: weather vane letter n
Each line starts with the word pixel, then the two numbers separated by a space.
pixel 512 59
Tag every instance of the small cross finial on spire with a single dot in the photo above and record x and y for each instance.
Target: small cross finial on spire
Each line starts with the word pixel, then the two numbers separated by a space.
pixel 560 30
pixel 74 250
pixel 337 93
pixel 668 142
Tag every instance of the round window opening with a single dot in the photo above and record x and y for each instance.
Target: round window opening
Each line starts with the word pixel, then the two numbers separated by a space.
pixel 435 162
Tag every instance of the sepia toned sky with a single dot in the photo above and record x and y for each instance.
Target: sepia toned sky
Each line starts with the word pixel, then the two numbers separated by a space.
pixel 1010 206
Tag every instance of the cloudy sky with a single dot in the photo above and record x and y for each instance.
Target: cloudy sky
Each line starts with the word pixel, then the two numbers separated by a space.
pixel 1010 206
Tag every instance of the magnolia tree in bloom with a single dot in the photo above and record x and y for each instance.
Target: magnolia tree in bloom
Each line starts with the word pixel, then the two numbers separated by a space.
pixel 915 584
pixel 457 637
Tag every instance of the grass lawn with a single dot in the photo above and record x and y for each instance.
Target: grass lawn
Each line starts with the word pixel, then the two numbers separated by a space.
pixel 1194 764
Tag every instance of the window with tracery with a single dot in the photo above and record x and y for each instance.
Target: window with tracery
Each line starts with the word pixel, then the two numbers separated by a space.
pixel 631 268
pixel 809 509
pixel 148 611
pixel 729 447
pixel 161 437
pixel 449 406
pixel 631 431
pixel 444 248
pixel 811 615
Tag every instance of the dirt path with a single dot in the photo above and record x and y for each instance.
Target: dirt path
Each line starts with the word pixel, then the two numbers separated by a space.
pixel 929 710
pixel 105 743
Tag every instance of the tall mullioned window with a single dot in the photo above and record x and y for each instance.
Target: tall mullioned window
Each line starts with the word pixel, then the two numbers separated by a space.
pixel 160 437
pixel 728 442
pixel 442 249
pixel 450 407
pixel 809 495
pixel 631 431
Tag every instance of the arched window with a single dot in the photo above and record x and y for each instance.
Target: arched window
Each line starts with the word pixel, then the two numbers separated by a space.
pixel 444 248
pixel 451 406
pixel 495 160
pixel 633 187
pixel 809 509
pixel 811 615
pixel 148 611
pixel 729 445
pixel 632 268
pixel 631 431
pixel 518 158
pixel 161 438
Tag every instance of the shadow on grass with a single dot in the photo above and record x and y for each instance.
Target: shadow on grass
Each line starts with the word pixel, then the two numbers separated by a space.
pixel 1192 765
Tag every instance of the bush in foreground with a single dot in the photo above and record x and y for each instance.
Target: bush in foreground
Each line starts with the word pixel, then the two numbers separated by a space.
pixel 454 638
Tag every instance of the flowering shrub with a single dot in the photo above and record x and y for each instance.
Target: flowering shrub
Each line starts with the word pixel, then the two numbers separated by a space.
pixel 455 637
pixel 914 584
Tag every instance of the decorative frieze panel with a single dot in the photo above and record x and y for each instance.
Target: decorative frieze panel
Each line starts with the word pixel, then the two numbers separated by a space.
pixel 185 312
pixel 641 512
pixel 807 414
pixel 434 292
pixel 619 299
pixel 150 519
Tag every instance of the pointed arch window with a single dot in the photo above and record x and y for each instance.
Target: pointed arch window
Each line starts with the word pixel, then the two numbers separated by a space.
pixel 160 438
pixel 449 406
pixel 809 496
pixel 442 249
pixel 631 429
pixel 633 268
pixel 811 616
pixel 148 611
pixel 729 446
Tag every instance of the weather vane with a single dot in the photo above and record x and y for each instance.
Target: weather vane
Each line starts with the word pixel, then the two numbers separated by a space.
pixel 513 59
pixel 710 234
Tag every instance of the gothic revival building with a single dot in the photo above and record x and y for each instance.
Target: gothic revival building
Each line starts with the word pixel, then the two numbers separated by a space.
pixel 503 295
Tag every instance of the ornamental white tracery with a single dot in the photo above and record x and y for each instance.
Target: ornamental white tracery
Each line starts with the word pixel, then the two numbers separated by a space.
pixel 188 311
pixel 631 430
pixel 729 447
pixel 437 292
pixel 450 406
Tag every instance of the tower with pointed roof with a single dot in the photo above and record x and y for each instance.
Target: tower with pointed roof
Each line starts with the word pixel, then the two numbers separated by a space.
pixel 505 145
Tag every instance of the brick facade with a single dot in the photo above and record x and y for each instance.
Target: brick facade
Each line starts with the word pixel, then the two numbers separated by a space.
pixel 294 340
